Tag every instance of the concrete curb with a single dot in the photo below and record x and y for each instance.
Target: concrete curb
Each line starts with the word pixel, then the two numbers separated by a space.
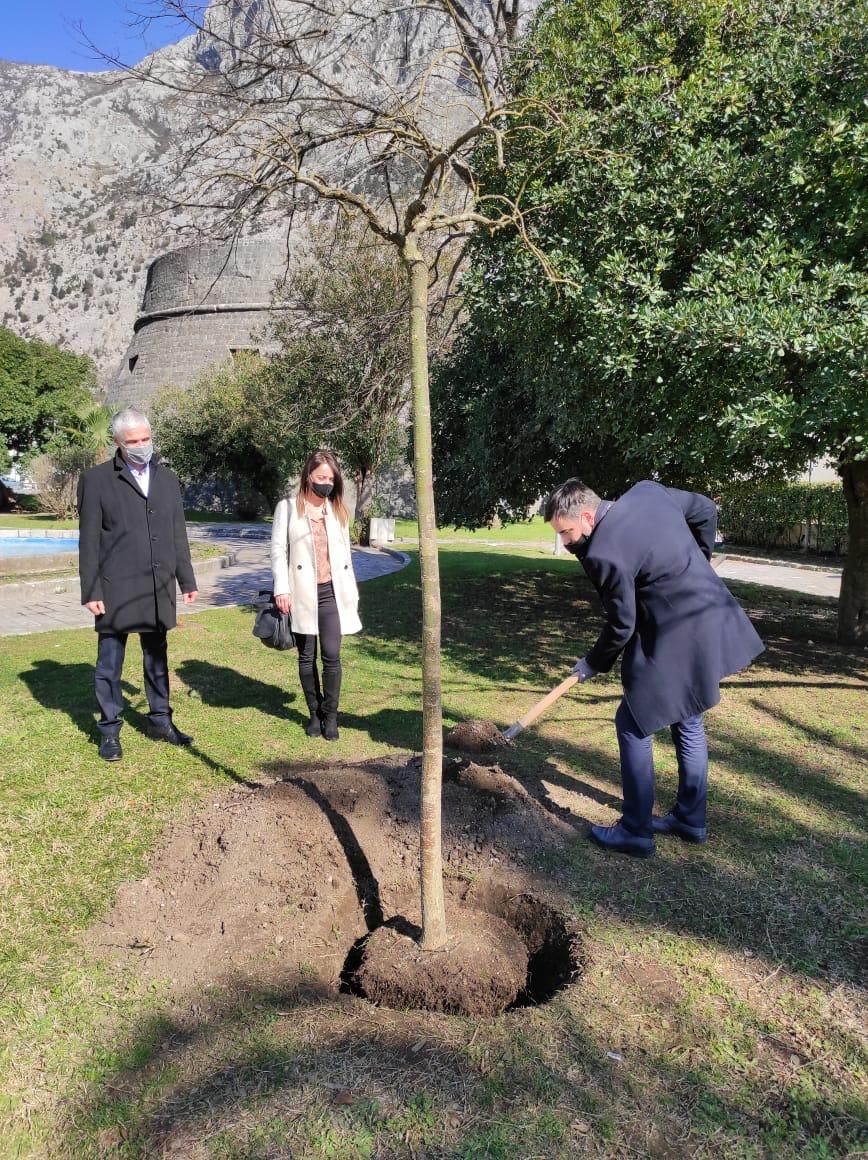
pixel 394 552
pixel 832 569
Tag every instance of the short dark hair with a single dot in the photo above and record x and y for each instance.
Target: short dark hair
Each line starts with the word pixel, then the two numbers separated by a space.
pixel 569 499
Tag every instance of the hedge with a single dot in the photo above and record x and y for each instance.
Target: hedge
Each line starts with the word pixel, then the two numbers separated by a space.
pixel 809 516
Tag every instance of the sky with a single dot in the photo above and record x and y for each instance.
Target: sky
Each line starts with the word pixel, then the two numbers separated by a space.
pixel 45 32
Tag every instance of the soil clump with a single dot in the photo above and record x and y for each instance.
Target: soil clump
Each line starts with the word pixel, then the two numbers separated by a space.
pixel 475 736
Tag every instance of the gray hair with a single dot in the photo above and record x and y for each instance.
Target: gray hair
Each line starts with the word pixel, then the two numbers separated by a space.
pixel 126 419
pixel 569 499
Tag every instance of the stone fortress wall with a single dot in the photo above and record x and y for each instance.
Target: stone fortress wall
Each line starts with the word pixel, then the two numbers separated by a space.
pixel 202 304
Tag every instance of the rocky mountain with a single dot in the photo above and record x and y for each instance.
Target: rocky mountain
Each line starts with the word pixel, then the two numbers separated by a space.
pixel 76 232
pixel 86 158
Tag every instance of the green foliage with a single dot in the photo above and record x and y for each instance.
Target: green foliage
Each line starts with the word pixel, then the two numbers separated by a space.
pixel 772 515
pixel 231 426
pixel 352 354
pixel 697 182
pixel 5 458
pixel 90 430
pixel 42 389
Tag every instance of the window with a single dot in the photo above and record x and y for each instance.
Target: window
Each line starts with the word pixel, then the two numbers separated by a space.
pixel 238 353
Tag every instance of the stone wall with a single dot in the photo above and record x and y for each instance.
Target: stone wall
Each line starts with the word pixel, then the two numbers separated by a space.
pixel 202 304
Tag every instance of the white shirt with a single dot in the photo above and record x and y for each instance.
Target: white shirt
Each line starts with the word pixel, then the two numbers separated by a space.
pixel 142 476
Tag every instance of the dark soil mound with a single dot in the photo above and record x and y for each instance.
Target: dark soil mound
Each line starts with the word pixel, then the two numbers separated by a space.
pixel 480 971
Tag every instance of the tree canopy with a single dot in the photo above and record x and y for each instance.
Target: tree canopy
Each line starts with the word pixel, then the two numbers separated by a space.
pixel 700 177
pixel 42 390
pixel 338 378
pixel 230 425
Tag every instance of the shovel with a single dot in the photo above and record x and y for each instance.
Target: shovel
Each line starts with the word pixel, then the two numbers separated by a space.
pixel 540 707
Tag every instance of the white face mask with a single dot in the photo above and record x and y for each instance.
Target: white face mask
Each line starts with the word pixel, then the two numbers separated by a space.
pixel 140 454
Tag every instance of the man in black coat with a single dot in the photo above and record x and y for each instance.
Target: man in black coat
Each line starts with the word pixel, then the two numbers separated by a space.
pixel 680 631
pixel 132 549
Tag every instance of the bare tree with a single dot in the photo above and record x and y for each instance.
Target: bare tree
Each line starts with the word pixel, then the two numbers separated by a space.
pixel 382 110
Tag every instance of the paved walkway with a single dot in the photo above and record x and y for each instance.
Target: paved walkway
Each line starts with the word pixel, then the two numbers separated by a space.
pixel 44 605
pixel 813 579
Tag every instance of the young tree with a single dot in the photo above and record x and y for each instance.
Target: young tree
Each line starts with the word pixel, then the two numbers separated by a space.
pixel 706 205
pixel 299 110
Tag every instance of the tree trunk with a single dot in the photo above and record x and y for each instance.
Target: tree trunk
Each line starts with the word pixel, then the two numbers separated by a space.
pixel 853 603
pixel 364 492
pixel 433 908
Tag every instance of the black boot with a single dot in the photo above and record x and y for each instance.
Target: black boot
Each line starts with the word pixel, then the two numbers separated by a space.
pixel 332 682
pixel 310 686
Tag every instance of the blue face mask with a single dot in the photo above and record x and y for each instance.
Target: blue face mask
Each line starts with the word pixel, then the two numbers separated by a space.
pixel 323 490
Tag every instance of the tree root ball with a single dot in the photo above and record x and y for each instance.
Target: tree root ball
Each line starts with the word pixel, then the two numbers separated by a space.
pixel 481 970
pixel 476 737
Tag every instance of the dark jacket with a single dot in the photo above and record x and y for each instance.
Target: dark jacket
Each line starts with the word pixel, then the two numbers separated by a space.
pixel 131 547
pixel 680 629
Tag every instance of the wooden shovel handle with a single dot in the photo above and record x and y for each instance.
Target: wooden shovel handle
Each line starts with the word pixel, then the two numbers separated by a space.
pixel 540 707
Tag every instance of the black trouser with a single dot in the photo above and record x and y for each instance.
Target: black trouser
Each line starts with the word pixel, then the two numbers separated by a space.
pixel 329 638
pixel 109 665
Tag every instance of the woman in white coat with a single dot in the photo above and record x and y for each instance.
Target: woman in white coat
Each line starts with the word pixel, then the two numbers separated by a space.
pixel 312 567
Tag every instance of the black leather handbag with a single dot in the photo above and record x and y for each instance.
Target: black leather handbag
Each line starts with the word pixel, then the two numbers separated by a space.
pixel 272 626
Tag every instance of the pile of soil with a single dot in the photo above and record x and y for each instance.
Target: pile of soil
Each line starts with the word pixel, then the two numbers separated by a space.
pixel 476 737
pixel 268 885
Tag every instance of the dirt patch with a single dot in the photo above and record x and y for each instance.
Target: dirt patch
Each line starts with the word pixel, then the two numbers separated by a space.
pixel 476 737
pixel 270 885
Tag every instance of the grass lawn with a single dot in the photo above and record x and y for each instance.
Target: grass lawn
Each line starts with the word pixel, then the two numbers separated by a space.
pixel 719 1014
pixel 531 531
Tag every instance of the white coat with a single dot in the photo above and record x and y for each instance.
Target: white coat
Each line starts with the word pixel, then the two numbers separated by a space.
pixel 293 568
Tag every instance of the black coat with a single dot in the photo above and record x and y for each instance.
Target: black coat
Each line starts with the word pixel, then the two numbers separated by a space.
pixel 131 547
pixel 679 627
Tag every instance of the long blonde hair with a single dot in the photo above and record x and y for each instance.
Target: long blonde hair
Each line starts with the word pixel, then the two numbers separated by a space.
pixel 314 460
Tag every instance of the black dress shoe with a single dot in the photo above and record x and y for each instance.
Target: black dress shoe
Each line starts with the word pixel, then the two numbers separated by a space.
pixel 110 749
pixel 169 734
pixel 622 841
pixel 672 825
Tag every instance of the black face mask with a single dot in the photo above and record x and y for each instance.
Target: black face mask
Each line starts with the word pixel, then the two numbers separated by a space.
pixel 575 548
pixel 323 490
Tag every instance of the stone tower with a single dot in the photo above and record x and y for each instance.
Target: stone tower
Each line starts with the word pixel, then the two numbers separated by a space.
pixel 202 305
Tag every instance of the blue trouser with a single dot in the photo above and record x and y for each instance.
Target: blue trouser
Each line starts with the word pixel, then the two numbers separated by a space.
pixel 637 772
pixel 109 665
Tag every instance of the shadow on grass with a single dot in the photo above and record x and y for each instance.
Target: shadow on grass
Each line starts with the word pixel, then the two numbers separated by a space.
pixel 294 1071
pixel 516 619
pixel 782 875
pixel 291 1071
pixel 69 689
pixel 223 688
